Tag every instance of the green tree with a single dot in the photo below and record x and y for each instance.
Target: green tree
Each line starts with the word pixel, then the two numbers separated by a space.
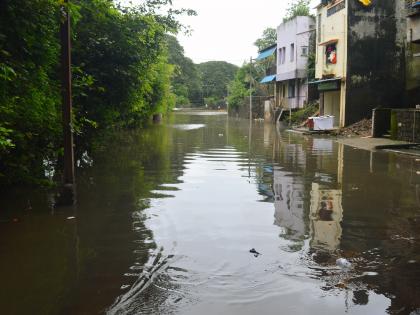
pixel 186 81
pixel 297 8
pixel 29 89
pixel 120 68
pixel 216 75
pixel 268 38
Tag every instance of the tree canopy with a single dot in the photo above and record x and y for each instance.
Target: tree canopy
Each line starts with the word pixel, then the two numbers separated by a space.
pixel 215 77
pixel 121 74
pixel 186 81
pixel 268 38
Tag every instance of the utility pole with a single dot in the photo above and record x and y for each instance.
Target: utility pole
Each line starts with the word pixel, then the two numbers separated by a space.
pixel 68 193
pixel 250 88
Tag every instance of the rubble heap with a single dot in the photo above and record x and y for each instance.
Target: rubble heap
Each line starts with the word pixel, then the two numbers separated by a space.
pixel 362 128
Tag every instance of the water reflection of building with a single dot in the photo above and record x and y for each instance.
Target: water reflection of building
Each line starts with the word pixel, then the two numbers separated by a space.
pixel 326 213
pixel 289 203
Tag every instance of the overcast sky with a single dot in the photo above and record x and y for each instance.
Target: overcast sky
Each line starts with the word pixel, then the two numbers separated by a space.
pixel 226 29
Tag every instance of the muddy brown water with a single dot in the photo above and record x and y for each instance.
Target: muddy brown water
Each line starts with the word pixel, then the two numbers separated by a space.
pixel 167 217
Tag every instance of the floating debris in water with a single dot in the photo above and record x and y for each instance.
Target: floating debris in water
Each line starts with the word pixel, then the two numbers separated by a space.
pixel 253 251
pixel 220 134
pixel 71 218
pixel 343 263
pixel 412 261
pixel 370 273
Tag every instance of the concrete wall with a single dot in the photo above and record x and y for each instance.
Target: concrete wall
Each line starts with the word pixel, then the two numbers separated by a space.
pixel 375 66
pixel 413 60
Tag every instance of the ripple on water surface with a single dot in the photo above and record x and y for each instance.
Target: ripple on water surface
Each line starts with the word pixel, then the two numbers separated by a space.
pixel 204 234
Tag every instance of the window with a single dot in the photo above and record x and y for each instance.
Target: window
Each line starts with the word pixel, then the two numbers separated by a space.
pixel 331 54
pixel 291 91
pixel 283 55
pixel 292 52
pixel 304 50
pixel 280 58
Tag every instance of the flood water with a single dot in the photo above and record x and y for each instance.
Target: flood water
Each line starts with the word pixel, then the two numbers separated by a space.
pixel 167 216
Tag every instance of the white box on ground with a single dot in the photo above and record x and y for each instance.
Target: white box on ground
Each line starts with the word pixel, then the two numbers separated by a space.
pixel 323 123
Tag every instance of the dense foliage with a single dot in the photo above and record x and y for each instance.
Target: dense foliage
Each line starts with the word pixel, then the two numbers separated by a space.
pixel 216 76
pixel 186 82
pixel 120 69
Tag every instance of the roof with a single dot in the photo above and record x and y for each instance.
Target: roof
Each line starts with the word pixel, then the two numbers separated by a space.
pixel 268 79
pixel 267 52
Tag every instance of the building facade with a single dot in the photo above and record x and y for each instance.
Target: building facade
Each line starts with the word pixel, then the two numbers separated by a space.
pixel 413 52
pixel 293 47
pixel 360 57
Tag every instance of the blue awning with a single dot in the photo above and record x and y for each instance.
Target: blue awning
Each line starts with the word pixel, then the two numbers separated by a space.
pixel 268 79
pixel 416 4
pixel 266 53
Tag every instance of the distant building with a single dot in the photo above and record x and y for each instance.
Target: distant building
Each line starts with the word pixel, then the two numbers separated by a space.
pixel 293 44
pixel 360 57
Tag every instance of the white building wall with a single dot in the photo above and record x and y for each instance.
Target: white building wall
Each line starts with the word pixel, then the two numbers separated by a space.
pixel 291 68
pixel 296 32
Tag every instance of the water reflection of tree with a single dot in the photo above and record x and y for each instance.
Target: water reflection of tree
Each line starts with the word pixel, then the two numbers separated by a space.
pixel 114 239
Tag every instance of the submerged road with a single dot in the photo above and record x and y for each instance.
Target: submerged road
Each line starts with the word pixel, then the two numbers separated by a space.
pixel 206 214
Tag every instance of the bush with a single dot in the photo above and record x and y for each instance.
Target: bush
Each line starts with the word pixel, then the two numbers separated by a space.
pixel 301 115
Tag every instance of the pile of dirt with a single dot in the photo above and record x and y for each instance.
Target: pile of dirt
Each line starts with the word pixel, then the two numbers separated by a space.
pixel 362 128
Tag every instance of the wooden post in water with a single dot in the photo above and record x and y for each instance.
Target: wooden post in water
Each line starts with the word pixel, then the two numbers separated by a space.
pixel 68 193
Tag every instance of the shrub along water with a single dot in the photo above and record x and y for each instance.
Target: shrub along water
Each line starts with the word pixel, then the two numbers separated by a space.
pixel 121 75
